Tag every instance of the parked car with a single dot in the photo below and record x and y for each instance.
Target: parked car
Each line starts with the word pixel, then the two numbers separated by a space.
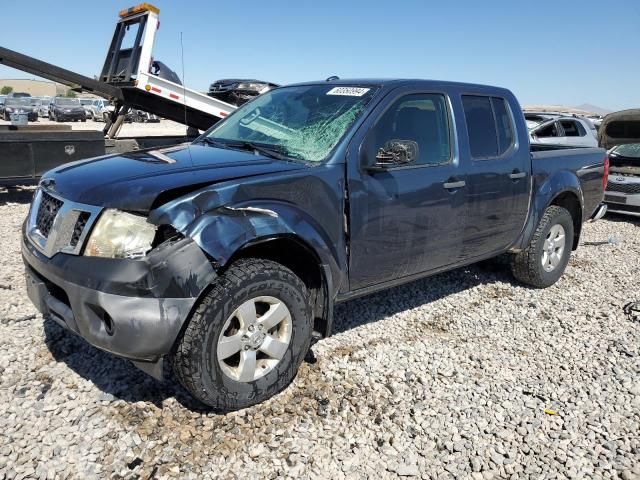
pixel 620 133
pixel 140 116
pixel 86 104
pixel 43 109
pixel 63 109
pixel 619 128
pixel 19 105
pixel 536 118
pixel 97 108
pixel 623 190
pixel 565 131
pixel 37 105
pixel 19 95
pixel 228 254
pixel 237 91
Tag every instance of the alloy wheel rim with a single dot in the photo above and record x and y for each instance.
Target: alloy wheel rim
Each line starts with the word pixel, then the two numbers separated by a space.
pixel 553 248
pixel 254 339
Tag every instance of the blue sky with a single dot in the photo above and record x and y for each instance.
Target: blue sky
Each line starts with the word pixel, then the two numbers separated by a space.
pixel 553 52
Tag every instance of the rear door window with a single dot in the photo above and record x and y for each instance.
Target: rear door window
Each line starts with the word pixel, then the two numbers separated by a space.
pixel 550 130
pixel 483 138
pixel 572 128
pixel 504 124
pixel 489 126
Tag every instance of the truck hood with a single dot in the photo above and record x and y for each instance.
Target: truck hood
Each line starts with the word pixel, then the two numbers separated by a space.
pixel 134 180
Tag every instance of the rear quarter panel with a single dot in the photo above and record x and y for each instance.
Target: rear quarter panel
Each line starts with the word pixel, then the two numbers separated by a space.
pixel 556 171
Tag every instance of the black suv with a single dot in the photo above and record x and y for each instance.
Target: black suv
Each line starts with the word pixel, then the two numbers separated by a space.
pixel 63 109
pixel 238 92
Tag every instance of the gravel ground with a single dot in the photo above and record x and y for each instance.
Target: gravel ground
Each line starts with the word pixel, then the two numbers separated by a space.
pixel 462 375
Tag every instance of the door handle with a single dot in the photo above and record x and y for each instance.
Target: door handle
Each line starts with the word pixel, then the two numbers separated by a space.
pixel 454 185
pixel 516 175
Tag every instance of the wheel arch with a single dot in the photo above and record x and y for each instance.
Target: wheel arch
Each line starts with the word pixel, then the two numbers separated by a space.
pixel 562 189
pixel 275 231
pixel 570 201
pixel 302 259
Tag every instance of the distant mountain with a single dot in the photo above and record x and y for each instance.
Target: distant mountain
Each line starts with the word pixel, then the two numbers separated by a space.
pixel 583 109
pixel 587 107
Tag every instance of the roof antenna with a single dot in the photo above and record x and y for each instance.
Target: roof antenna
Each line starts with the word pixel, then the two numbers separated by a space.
pixel 184 100
pixel 332 78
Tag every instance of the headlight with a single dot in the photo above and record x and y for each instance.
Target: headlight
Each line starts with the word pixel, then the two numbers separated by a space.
pixel 120 235
pixel 8 109
pixel 255 87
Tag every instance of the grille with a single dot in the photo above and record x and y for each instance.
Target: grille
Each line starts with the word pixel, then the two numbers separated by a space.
pixel 78 228
pixel 623 187
pixel 47 211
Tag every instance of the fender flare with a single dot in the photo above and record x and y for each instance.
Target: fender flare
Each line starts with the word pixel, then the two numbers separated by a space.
pixel 561 182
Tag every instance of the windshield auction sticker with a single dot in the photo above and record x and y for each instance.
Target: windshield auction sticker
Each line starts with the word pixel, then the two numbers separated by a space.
pixel 348 91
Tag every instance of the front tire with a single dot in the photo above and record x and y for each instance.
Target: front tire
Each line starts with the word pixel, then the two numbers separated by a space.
pixel 247 337
pixel 543 262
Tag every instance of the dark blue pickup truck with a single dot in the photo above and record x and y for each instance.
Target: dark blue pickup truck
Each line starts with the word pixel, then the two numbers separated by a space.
pixel 226 256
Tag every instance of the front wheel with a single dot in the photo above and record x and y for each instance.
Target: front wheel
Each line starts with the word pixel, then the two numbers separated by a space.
pixel 543 262
pixel 247 337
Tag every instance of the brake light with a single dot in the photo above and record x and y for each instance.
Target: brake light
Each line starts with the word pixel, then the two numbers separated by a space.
pixel 605 175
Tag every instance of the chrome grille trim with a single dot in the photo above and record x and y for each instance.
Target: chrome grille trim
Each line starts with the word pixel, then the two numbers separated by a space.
pixel 63 235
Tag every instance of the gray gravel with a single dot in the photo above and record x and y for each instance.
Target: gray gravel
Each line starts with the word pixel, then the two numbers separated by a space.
pixel 462 375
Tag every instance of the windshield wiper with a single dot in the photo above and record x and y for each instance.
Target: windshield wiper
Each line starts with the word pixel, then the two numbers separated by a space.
pixel 213 143
pixel 273 151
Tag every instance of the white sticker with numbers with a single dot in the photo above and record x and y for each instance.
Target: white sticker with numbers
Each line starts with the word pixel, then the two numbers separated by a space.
pixel 348 91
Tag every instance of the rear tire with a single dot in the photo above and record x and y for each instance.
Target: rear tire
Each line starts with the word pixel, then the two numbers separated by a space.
pixel 251 374
pixel 543 262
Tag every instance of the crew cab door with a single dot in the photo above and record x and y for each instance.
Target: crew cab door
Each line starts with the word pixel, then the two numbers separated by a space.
pixel 404 219
pixel 498 175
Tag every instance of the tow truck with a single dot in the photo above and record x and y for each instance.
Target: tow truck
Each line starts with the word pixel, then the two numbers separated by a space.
pixel 127 81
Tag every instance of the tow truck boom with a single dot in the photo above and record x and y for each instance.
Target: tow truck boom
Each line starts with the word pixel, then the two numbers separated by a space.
pixel 126 76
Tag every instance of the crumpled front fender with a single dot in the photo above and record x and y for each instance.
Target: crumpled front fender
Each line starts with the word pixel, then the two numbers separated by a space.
pixel 221 227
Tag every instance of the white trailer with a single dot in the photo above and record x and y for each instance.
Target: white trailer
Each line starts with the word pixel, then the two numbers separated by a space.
pixel 127 78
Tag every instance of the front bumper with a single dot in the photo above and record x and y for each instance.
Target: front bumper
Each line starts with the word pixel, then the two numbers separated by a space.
pixel 70 116
pixel 627 204
pixel 131 308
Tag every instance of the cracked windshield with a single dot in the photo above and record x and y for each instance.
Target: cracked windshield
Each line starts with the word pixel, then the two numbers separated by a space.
pixel 303 122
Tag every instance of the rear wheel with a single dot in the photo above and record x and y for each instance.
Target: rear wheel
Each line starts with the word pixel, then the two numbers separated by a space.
pixel 543 262
pixel 247 338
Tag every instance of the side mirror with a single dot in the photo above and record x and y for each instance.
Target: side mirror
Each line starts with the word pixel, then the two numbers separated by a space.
pixel 395 153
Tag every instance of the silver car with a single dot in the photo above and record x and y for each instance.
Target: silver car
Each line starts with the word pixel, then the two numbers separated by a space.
pixel 623 189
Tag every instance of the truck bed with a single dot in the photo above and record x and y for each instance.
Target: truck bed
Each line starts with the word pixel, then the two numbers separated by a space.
pixel 587 163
